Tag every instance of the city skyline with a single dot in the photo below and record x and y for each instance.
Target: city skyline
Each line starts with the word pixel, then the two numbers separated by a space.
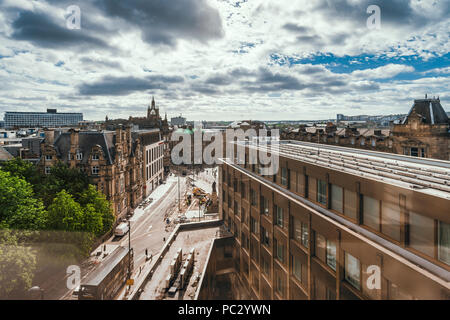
pixel 223 60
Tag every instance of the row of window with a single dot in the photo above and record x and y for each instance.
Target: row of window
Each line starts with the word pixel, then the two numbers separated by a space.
pixel 380 216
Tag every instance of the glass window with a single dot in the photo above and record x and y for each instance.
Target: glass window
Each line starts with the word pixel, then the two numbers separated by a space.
pixel 305 235
pixel 322 192
pixel 444 242
pixel 352 270
pixel 280 217
pixel 390 215
pixel 265 237
pixel 350 204
pixel 297 230
pixel 331 254
pixel 320 247
pixel 253 197
pixel 297 270
pixel 280 250
pixel 336 198
pixel 421 233
pixel 264 205
pixel 284 176
pixel 371 213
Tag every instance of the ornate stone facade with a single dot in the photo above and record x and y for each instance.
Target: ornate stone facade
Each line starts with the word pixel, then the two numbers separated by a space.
pixel 112 159
pixel 424 132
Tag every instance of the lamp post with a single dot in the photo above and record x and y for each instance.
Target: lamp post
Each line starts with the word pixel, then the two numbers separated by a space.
pixel 129 252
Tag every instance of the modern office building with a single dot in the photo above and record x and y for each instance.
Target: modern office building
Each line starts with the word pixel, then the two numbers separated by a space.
pixel 51 118
pixel 339 223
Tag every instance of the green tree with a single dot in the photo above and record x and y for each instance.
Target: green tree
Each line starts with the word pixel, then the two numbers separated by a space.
pixel 91 196
pixel 17 266
pixel 92 220
pixel 62 177
pixel 22 169
pixel 65 213
pixel 18 207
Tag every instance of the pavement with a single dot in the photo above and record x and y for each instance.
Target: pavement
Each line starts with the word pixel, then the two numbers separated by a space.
pixel 149 229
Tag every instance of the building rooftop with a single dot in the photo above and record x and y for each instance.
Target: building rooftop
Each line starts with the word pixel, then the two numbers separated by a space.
pixel 201 239
pixel 429 110
pixel 4 154
pixel 420 174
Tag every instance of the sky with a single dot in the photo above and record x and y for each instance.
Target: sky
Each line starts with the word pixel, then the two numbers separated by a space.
pixel 223 60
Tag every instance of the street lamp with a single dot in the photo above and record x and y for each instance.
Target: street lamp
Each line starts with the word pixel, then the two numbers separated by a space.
pixel 129 251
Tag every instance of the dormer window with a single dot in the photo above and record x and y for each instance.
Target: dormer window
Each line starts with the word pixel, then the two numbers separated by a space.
pixel 48 157
pixel 95 156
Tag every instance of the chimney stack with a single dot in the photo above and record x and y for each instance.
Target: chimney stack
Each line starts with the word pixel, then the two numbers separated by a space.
pixel 49 136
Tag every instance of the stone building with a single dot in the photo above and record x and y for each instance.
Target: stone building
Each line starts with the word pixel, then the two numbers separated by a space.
pixel 112 159
pixel 153 120
pixel 425 131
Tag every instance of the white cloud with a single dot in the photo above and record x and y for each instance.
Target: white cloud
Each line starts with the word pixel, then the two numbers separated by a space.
pixel 251 33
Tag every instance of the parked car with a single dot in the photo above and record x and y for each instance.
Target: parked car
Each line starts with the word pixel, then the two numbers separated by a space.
pixel 121 230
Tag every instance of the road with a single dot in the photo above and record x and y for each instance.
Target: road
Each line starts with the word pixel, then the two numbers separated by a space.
pixel 149 228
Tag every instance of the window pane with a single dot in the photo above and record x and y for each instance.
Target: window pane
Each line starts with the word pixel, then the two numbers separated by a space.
pixel 371 213
pixel 321 247
pixel 444 242
pixel 331 254
pixel 336 198
pixel 352 270
pixel 297 268
pixel 350 204
pixel 312 188
pixel 421 233
pixel 322 192
pixel 297 230
pixel 391 221
pixel 305 235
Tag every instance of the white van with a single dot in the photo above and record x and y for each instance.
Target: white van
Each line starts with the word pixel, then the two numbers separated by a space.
pixel 121 229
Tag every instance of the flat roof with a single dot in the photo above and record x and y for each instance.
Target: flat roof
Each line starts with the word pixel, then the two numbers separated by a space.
pixel 416 262
pixel 424 175
pixel 106 267
pixel 48 113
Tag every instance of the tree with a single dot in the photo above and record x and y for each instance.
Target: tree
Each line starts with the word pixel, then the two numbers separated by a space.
pixel 93 221
pixel 65 213
pixel 22 169
pixel 18 207
pixel 17 266
pixel 91 196
pixel 62 177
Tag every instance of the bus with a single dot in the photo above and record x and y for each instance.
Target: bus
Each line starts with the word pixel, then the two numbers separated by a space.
pixel 110 276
